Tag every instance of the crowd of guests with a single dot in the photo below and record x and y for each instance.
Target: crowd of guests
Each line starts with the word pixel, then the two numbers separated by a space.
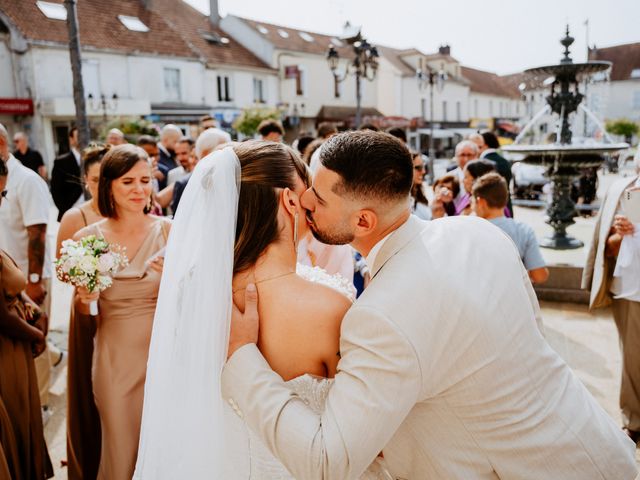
pixel 127 193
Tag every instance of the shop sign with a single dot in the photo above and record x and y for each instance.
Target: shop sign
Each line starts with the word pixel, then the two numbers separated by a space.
pixel 16 106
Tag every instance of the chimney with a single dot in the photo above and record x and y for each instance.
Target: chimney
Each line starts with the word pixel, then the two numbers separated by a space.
pixel 214 15
pixel 444 50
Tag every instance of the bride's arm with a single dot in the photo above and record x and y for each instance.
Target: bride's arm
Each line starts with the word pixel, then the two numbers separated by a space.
pixel 377 385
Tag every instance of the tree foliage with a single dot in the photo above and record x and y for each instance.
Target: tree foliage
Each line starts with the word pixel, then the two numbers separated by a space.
pixel 623 127
pixel 248 121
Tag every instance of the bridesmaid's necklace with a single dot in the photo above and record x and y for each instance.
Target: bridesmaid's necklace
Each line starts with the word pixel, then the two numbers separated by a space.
pixel 264 280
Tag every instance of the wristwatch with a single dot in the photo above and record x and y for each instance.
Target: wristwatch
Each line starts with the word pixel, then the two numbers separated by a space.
pixel 34 278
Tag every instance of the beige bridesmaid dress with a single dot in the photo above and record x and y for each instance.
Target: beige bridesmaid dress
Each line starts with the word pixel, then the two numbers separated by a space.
pixel 120 355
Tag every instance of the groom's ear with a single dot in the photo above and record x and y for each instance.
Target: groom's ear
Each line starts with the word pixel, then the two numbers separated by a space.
pixel 366 222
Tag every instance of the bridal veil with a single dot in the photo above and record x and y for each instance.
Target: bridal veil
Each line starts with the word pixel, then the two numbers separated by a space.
pixel 182 435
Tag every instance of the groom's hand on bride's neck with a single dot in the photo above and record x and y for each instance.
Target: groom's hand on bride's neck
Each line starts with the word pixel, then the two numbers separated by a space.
pixel 244 325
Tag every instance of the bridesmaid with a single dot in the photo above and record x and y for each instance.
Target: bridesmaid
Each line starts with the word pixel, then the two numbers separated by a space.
pixel 83 422
pixel 23 452
pixel 127 307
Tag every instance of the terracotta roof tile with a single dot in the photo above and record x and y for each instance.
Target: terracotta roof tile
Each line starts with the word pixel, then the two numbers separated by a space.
pixel 191 24
pixel 175 29
pixel 625 59
pixel 395 58
pixel 99 26
pixel 293 41
pixel 489 83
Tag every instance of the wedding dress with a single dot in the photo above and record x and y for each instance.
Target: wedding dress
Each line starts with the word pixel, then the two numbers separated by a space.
pixel 188 430
pixel 249 458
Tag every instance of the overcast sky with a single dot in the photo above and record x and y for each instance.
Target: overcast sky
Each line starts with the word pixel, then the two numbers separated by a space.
pixel 502 36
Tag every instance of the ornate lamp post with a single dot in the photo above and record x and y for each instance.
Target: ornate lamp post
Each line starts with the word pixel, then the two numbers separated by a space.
pixel 103 104
pixel 364 65
pixel 432 79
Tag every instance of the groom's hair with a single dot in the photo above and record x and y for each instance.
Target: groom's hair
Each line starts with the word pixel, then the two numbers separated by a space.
pixel 372 165
pixel 265 168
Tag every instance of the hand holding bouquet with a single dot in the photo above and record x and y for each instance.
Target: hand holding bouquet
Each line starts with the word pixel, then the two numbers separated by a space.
pixel 90 263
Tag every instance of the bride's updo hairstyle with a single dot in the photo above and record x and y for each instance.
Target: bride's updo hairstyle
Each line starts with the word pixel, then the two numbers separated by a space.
pixel 266 167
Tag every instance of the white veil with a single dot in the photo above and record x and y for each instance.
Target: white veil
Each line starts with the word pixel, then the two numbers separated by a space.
pixel 182 434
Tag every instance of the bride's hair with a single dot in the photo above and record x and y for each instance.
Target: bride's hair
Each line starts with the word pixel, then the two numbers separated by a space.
pixel 265 167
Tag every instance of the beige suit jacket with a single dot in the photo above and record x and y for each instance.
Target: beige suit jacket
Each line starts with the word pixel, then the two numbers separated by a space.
pixel 598 270
pixel 446 373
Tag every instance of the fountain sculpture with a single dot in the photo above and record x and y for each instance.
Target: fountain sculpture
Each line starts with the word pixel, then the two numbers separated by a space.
pixel 564 159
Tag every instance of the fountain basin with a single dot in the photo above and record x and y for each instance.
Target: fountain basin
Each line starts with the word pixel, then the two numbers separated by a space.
pixel 553 149
pixel 572 70
pixel 568 156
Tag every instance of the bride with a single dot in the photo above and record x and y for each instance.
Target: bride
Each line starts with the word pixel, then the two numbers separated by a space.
pixel 239 223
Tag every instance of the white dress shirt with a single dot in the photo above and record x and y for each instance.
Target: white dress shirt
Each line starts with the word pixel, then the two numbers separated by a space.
pixel 27 203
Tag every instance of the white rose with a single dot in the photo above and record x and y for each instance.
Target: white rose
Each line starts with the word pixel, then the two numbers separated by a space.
pixel 88 265
pixel 105 263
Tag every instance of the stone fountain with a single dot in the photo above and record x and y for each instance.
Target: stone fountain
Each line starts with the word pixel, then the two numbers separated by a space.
pixel 564 159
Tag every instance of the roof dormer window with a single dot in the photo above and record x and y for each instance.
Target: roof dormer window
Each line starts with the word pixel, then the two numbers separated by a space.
pixel 283 33
pixel 53 11
pixel 306 37
pixel 133 23
pixel 336 43
pixel 262 29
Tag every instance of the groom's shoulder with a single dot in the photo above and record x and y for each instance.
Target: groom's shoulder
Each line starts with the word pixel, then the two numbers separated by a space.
pixel 452 233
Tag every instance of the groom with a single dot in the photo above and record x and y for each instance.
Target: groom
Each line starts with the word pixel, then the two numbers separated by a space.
pixel 443 367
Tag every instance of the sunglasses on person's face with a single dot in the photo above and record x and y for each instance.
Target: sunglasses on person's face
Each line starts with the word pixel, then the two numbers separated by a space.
pixel 419 168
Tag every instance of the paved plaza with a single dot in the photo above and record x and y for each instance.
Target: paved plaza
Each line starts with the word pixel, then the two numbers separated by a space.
pixel 587 341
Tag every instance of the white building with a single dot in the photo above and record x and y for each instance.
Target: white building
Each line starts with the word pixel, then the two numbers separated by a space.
pixel 620 97
pixel 156 58
pixel 307 89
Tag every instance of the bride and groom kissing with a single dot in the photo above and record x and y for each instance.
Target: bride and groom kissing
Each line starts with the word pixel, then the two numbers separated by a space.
pixel 439 370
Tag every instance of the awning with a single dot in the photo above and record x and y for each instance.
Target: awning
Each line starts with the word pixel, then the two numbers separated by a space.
pixel 179 112
pixel 340 114
pixel 437 132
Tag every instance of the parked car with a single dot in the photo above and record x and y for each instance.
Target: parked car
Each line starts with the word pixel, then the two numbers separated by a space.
pixel 528 180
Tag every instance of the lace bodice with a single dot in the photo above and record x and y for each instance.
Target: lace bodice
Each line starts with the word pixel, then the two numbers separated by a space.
pixel 321 276
pixel 263 465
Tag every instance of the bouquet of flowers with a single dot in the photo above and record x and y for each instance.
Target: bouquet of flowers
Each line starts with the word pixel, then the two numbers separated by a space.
pixel 90 262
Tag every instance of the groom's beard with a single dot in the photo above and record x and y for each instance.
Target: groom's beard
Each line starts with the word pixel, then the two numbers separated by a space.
pixel 339 235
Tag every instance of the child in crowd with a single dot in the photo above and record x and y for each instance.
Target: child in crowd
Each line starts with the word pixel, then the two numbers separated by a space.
pixel 489 198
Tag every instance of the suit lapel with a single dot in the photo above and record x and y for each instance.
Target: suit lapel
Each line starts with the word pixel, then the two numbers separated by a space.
pixel 398 239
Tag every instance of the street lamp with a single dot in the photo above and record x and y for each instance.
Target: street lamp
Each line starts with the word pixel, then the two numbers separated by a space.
pixel 103 103
pixel 364 65
pixel 433 79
